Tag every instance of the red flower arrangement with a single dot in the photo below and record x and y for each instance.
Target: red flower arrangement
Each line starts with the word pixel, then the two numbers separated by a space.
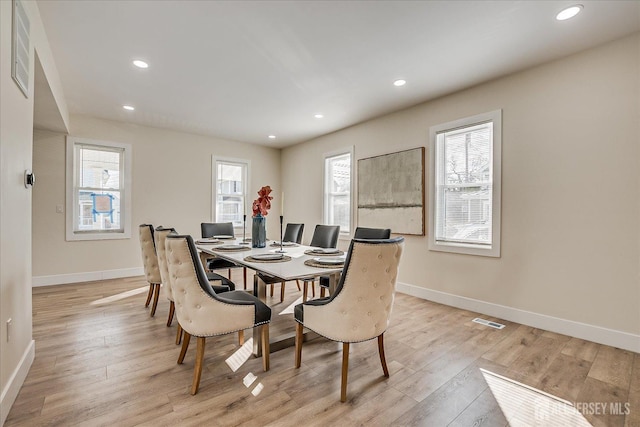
pixel 262 204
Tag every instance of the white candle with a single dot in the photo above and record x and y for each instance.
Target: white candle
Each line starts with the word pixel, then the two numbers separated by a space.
pixel 282 207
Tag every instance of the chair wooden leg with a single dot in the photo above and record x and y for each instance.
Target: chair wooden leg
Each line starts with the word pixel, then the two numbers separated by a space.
pixel 282 291
pixel 245 278
pixel 241 338
pixel 149 295
pixel 321 291
pixel 179 334
pixel 265 347
pixel 156 296
pixel 172 310
pixel 185 346
pixel 304 290
pixel 197 370
pixel 298 284
pixel 299 338
pixel 383 360
pixel 229 274
pixel 313 288
pixel 271 291
pixel 345 370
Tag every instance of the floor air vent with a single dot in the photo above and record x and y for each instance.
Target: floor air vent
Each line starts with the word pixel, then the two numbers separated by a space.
pixel 488 323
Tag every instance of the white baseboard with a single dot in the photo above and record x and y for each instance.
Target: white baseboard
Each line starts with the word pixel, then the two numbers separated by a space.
pixel 10 392
pixel 623 340
pixel 89 276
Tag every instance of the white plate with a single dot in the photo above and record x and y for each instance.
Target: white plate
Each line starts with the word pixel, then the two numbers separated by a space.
pixel 329 261
pixel 326 251
pixel 284 244
pixel 223 236
pixel 265 257
pixel 230 247
pixel 207 241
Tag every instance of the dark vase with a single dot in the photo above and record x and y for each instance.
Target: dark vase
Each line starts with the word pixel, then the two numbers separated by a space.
pixel 259 232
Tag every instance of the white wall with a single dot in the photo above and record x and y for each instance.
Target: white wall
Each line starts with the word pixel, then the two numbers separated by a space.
pixel 171 187
pixel 570 189
pixel 16 129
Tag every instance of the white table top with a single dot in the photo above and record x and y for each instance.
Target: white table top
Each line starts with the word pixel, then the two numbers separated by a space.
pixel 288 270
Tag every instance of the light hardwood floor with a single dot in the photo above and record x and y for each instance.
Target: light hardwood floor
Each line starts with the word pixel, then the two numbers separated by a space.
pixel 101 360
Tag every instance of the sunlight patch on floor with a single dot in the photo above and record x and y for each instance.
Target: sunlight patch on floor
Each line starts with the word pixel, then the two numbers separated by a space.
pixel 121 295
pixel 237 359
pixel 241 355
pixel 527 406
pixel 256 391
pixel 249 379
pixel 289 309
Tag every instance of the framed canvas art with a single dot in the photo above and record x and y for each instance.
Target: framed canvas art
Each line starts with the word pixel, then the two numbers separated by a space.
pixel 391 192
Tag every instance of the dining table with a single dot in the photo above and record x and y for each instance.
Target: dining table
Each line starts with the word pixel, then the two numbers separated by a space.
pixel 297 262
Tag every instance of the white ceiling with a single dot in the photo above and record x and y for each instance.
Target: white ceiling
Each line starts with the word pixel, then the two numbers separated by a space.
pixel 244 70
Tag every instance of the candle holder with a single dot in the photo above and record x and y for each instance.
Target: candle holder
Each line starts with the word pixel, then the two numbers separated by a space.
pixel 244 228
pixel 281 251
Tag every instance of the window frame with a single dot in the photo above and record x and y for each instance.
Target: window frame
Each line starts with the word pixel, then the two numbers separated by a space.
pixel 344 235
pixel 72 201
pixel 214 185
pixel 492 250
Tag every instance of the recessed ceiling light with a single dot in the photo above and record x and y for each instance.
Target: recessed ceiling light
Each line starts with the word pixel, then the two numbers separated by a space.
pixel 272 137
pixel 569 12
pixel 318 116
pixel 140 64
pixel 400 82
pixel 128 107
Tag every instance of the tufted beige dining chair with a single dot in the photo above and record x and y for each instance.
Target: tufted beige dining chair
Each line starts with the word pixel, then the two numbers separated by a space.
pixel 360 308
pixel 160 236
pixel 219 283
pixel 150 263
pixel 202 312
pixel 360 233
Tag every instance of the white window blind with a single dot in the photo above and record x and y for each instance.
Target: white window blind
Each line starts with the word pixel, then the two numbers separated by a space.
pixel 231 183
pixel 337 185
pixel 465 195
pixel 98 190
pixel 464 185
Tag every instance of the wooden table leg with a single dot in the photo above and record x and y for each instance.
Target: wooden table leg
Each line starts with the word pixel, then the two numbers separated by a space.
pixel 259 290
pixel 334 278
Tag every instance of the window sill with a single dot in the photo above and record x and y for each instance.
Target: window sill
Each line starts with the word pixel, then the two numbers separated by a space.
pixel 74 237
pixel 465 249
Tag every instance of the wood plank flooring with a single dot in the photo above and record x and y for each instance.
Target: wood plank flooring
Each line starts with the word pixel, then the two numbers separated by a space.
pixel 101 360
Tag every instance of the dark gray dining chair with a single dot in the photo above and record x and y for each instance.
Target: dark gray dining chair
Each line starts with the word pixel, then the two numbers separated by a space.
pixel 360 233
pixel 210 229
pixel 324 236
pixel 293 233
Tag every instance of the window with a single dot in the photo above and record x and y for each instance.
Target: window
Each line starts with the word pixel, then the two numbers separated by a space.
pixel 230 191
pixel 98 190
pixel 465 175
pixel 337 190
